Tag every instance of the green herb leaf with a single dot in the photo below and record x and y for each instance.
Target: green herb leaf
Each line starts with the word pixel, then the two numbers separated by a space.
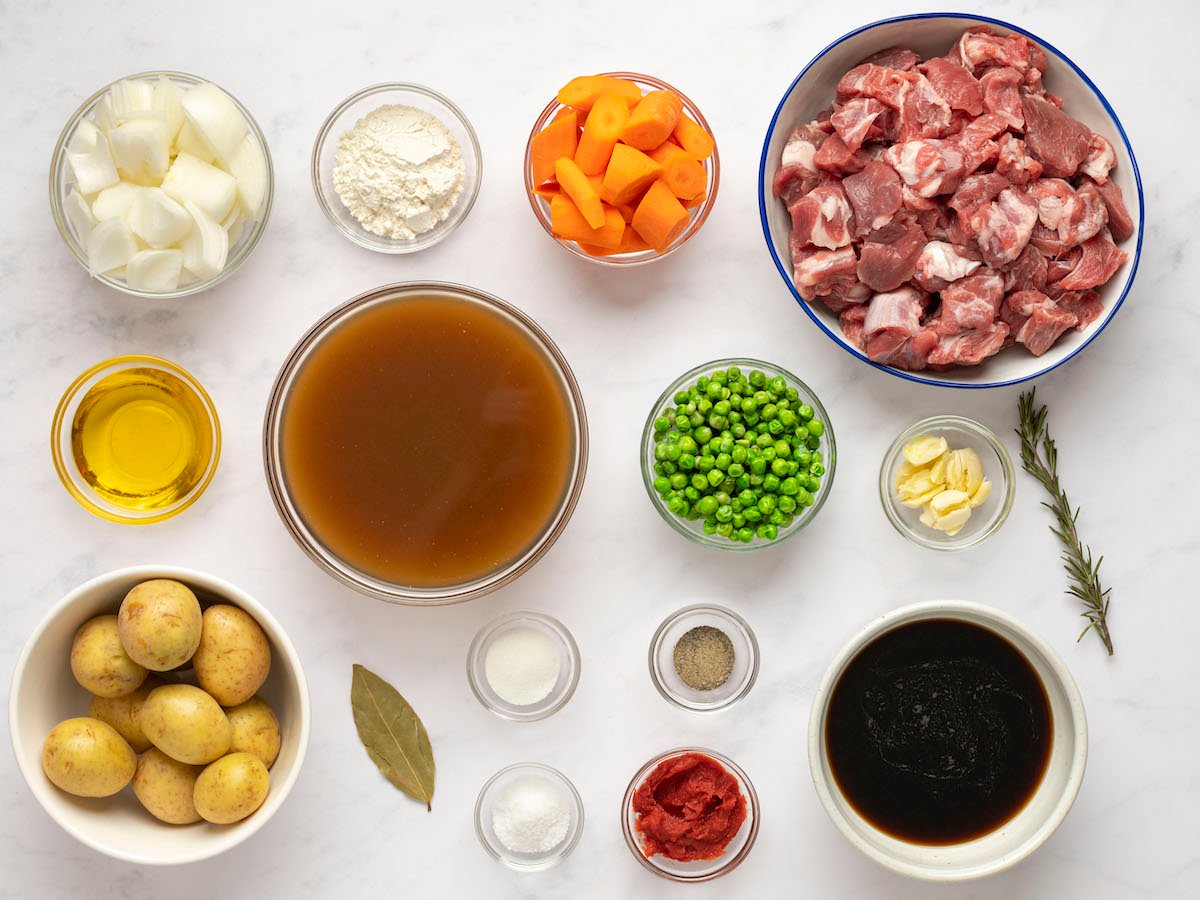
pixel 393 735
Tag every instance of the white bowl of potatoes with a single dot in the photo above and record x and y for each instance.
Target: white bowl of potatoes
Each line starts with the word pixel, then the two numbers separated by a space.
pixel 159 715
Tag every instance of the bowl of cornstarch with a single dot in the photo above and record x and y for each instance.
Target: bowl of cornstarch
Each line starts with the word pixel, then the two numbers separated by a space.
pixel 529 816
pixel 396 167
pixel 523 666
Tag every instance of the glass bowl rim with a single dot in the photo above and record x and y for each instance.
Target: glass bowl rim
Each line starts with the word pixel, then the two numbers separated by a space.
pixel 343 572
pixel 565 849
pixel 752 806
pixel 376 242
pixel 985 434
pixel 720 612
pixel 510 711
pixel 57 175
pixel 712 168
pixel 119 363
pixel 830 453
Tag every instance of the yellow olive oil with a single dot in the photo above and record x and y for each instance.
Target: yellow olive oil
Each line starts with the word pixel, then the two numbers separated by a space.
pixel 141 438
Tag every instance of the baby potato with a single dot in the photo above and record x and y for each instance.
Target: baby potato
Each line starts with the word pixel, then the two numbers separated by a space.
pixel 231 788
pixel 99 662
pixel 122 713
pixel 255 730
pixel 234 657
pixel 160 624
pixel 186 724
pixel 165 787
pixel 87 758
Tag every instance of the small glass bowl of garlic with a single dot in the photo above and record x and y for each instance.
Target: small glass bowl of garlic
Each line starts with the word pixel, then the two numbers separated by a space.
pixel 161 184
pixel 947 483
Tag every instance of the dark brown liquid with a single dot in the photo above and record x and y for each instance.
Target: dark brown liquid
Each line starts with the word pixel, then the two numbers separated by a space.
pixel 938 732
pixel 427 441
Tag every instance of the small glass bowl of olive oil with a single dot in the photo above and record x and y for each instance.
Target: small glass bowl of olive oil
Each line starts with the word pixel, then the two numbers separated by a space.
pixel 135 439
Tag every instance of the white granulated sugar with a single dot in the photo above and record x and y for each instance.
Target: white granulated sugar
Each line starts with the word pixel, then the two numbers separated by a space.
pixel 522 666
pixel 399 171
pixel 531 815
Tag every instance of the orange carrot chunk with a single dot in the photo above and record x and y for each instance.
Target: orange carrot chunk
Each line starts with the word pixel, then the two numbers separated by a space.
pixel 547 189
pixel 576 186
pixel 692 138
pixel 629 172
pixel 652 120
pixel 585 90
pixel 604 124
pixel 568 223
pixel 695 201
pixel 558 139
pixel 660 217
pixel 683 174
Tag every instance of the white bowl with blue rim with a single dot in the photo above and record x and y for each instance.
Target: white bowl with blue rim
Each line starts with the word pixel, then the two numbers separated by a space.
pixel 932 34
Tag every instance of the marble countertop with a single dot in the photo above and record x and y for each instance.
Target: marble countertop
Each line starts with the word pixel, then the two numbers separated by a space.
pixel 1123 413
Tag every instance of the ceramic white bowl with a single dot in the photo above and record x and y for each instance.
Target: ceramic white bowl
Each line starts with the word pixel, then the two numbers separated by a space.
pixel 44 692
pixel 926 34
pixel 1020 836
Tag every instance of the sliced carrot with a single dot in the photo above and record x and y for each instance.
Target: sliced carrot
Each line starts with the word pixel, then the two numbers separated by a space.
pixel 652 120
pixel 660 217
pixel 631 242
pixel 604 124
pixel 695 201
pixel 547 189
pixel 692 138
pixel 567 222
pixel 556 140
pixel 585 90
pixel 628 209
pixel 683 174
pixel 629 172
pixel 596 181
pixel 576 186
pixel 665 152
pixel 563 111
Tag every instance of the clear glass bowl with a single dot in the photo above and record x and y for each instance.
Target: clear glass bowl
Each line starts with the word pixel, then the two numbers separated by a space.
pixel 985 520
pixel 568 673
pixel 692 529
pixel 712 167
pixel 527 862
pixel 343 119
pixel 61 182
pixel 64 460
pixel 309 542
pixel 706 870
pixel 662 658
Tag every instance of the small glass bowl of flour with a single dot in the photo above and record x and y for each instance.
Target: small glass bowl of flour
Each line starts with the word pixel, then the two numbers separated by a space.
pixel 396 167
pixel 523 666
pixel 529 817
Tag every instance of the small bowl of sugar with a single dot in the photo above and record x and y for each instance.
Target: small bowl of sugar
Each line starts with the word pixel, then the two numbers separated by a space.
pixel 523 666
pixel 529 817
pixel 396 167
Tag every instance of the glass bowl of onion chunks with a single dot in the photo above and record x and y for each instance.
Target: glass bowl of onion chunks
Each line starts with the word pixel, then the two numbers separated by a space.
pixel 647 178
pixel 161 184
pixel 947 483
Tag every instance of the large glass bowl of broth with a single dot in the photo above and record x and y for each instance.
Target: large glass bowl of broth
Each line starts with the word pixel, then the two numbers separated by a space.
pixel 425 443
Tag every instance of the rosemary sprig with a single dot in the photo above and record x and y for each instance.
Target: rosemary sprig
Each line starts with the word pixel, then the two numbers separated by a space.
pixel 1077 557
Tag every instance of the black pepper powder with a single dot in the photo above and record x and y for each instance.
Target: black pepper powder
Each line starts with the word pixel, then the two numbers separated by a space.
pixel 704 658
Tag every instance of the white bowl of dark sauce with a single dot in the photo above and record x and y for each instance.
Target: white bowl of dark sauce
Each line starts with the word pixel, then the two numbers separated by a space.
pixel 947 741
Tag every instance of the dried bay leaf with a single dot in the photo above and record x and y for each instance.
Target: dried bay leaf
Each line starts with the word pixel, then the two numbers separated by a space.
pixel 393 735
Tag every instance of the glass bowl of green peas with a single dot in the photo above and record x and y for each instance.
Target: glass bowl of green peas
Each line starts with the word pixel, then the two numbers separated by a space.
pixel 738 454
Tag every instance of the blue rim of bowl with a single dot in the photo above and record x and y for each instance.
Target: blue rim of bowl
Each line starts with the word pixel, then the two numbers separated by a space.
pixel 909 376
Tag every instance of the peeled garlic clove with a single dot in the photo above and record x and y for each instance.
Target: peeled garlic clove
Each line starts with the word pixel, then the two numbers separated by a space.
pixel 207 186
pixel 206 247
pixel 129 98
pixel 157 219
pixel 249 168
pixel 953 521
pixel 79 214
pixel 110 246
pixel 938 470
pixel 168 99
pixel 981 493
pixel 973 467
pixel 90 159
pixel 141 149
pixel 928 517
pixel 924 449
pixel 114 202
pixel 920 500
pixel 216 118
pixel 918 483
pixel 187 141
pixel 948 500
pixel 154 271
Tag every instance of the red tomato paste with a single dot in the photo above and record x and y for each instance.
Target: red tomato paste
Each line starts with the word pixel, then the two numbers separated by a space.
pixel 689 808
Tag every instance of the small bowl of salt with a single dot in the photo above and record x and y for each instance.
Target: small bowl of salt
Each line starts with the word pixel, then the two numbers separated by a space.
pixel 523 666
pixel 396 167
pixel 529 817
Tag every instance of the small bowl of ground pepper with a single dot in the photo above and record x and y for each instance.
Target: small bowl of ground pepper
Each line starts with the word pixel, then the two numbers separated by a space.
pixel 699 846
pixel 704 658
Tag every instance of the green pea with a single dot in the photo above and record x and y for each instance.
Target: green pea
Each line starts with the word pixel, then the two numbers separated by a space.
pixel 673 452
pixel 787 419
pixel 763 440
pixel 758 466
pixel 738 520
pixel 813 443
pixel 780 467
pixel 812 482
pixel 771 483
pixel 739 454
pixel 714 477
pixel 702 435
pixel 713 391
pixel 691 494
pixel 804 498
pixel 768 453
pixel 738 430
pixel 783 448
pixel 729 485
pixel 724 513
pixel 669 468
pixel 721 407
pixel 719 376
pixel 749 405
pixel 816 427
pixel 677 505
pixel 742 482
pixel 767 532
pixel 695 420
pixel 735 417
pixel 789 486
pixel 745 535
pixel 817 469
pixel 687 462
pixel 734 372
pixel 792 394
pixel 679 481
pixel 752 514
pixel 766 504
pixel 770 412
pixel 736 470
pixel 756 481
pixel 746 497
pixel 777 384
pixel 717 422
pixel 698 481
pixel 806 412
pixel 786 504
pixel 709 527
pixel 707 506
pixel 661 424
pixel 723 461
pixel 725 529
pixel 662 484
pixel 804 457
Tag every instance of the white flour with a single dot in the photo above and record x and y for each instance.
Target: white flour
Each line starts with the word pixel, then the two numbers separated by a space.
pixel 399 171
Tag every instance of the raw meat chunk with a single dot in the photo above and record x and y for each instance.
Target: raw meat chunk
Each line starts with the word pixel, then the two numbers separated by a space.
pixel 968 348
pixel 954 83
pixel 852 319
pixel 1026 272
pixel 1100 159
pixel 1083 215
pixel 1060 142
pixel 929 167
pixel 834 156
pixel 889 255
pixel 1002 96
pixel 978 49
pixel 1120 222
pixel 1086 306
pixel 923 112
pixel 819 273
pixel 874 195
pixel 976 190
pixel 1058 268
pixel 1019 306
pixel 822 217
pixel 1044 326
pixel 1003 227
pixel 798 173
pixel 941 263
pixel 971 302
pixel 892 330
pixel 881 83
pixel 1050 195
pixel 1015 163
pixel 1100 260
pixel 893 58
pixel 854 119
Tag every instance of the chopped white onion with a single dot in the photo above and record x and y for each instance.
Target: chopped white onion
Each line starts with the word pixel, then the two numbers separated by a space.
pixel 141 149
pixel 131 98
pixel 168 99
pixel 114 202
pixel 206 247
pixel 90 159
pixel 208 187
pixel 187 141
pixel 249 166
pixel 154 271
pixel 216 118
pixel 79 214
pixel 110 246
pixel 157 219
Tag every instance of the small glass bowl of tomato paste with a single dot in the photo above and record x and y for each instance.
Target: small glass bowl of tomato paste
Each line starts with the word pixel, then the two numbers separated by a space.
pixel 645 833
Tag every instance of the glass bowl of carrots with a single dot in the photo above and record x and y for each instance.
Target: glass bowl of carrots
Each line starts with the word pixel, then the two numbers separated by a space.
pixel 621 169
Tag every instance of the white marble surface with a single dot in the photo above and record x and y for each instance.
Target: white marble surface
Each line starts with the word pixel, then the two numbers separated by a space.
pixel 1124 413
